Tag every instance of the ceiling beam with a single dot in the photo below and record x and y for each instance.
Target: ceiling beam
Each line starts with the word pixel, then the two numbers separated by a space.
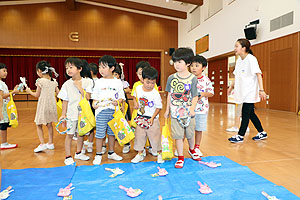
pixel 144 8
pixel 71 4
pixel 195 2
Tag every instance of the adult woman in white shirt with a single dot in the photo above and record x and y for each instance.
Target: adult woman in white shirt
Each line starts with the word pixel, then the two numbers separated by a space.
pixel 248 87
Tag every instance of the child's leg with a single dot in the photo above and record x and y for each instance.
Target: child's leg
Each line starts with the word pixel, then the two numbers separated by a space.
pixel 91 136
pixel 111 143
pixel 99 143
pixel 79 143
pixel 198 137
pixel 68 144
pixel 154 136
pixel 39 129
pixel 3 136
pixel 50 133
pixel 139 144
pixel 179 146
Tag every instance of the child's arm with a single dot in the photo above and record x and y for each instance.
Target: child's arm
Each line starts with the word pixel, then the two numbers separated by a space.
pixel 15 91
pixel 206 94
pixel 193 106
pixel 1 105
pixel 135 104
pixel 157 110
pixel 166 115
pixel 64 110
pixel 262 93
pixel 36 93
pixel 56 90
pixel 88 96
pixel 95 104
pixel 127 90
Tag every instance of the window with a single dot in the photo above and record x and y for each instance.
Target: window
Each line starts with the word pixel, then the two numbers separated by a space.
pixel 195 17
pixel 214 6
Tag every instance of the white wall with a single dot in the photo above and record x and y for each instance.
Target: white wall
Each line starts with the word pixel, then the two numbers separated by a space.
pixel 226 26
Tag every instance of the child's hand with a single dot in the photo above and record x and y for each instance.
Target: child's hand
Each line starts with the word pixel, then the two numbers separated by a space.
pixel 78 84
pixel 115 102
pixel 262 95
pixel 151 121
pixel 96 105
pixel 192 113
pixel 64 124
pixel 15 91
pixel 135 105
pixel 229 91
pixel 28 90
pixel 166 115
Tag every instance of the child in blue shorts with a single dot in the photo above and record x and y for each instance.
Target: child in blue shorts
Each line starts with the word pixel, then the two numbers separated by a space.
pixel 205 90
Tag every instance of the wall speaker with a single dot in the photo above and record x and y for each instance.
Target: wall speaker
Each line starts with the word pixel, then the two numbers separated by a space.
pixel 250 33
pixel 171 51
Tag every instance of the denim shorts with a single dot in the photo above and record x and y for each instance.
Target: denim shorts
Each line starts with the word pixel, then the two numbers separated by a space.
pixel 201 122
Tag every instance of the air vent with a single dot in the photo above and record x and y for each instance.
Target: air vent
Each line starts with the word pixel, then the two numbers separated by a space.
pixel 282 21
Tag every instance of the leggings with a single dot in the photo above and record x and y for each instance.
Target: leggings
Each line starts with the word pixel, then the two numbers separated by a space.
pixel 249 113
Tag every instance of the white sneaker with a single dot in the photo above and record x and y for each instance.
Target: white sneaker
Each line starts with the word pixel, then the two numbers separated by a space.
pixel 69 161
pixel 83 150
pixel 89 148
pixel 103 149
pixel 97 160
pixel 126 148
pixel 81 156
pixel 176 153
pixel 248 129
pixel 144 153
pixel 159 158
pixel 115 156
pixel 138 158
pixel 8 146
pixel 198 152
pixel 40 148
pixel 233 129
pixel 50 146
pixel 154 153
pixel 75 137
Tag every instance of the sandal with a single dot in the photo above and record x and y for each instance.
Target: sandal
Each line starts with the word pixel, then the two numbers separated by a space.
pixel 179 164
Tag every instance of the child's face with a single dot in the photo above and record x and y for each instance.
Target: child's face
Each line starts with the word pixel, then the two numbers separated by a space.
pixel 197 68
pixel 116 75
pixel 3 73
pixel 72 70
pixel 149 84
pixel 238 49
pixel 180 66
pixel 105 71
pixel 139 74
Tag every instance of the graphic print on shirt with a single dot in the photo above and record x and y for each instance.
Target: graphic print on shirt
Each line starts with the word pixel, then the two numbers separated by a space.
pixel 143 101
pixel 181 93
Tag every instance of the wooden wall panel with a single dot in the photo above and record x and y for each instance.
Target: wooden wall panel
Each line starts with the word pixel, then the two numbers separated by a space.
pixel 264 52
pixel 48 26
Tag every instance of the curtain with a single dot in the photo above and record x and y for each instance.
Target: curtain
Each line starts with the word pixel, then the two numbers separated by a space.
pixel 22 62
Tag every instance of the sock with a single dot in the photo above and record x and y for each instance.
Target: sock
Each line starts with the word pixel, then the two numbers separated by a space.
pixel 99 154
pixel 68 156
pixel 181 158
pixel 197 146
pixel 110 152
pixel 78 152
pixel 192 151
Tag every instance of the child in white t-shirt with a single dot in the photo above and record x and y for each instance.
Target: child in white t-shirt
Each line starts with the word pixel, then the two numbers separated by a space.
pixel 71 93
pixel 205 90
pixel 107 93
pixel 149 105
pixel 248 89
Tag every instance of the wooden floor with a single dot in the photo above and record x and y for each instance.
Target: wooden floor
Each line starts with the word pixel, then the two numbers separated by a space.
pixel 276 159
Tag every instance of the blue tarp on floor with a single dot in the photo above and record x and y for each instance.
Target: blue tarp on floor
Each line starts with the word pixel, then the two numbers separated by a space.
pixel 229 182
pixel 37 183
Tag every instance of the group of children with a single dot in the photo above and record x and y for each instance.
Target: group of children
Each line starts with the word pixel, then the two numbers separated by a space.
pixel 187 105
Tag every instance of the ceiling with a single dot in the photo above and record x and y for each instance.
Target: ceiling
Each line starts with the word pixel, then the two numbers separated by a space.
pixel 171 9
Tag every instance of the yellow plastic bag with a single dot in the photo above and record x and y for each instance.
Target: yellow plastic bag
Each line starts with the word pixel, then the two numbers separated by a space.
pixel 86 118
pixel 12 112
pixel 59 110
pixel 166 142
pixel 121 128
